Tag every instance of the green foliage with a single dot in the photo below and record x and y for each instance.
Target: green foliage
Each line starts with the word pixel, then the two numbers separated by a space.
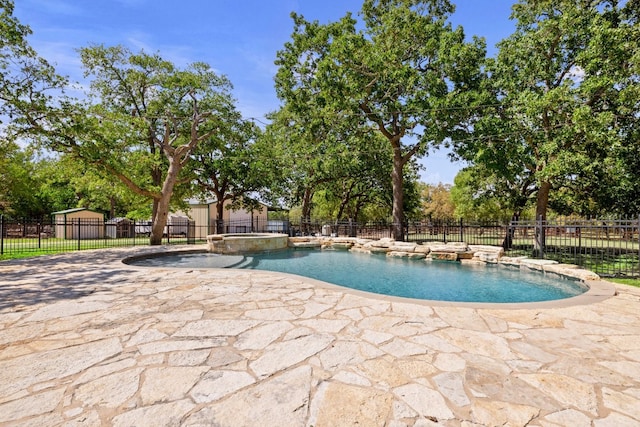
pixel 562 82
pixel 141 122
pixel 34 187
pixel 437 201
pixel 406 72
pixel 411 196
pixel 550 123
pixel 17 182
pixel 26 80
pixel 232 166
pixel 480 193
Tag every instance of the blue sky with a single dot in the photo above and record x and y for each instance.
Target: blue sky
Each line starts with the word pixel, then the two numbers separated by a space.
pixel 238 38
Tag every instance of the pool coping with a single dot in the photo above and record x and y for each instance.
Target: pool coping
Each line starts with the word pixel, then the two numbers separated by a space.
pixel 598 290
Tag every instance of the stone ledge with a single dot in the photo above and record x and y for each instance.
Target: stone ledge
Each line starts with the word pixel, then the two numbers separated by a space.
pixel 301 239
pixel 444 256
pixel 452 251
pixel 379 249
pixel 569 270
pixel 451 248
pixel 486 248
pixel 403 247
pixel 307 244
pixel 489 257
pixel 466 255
pixel 341 245
pixel 512 260
pixel 411 255
pixel 422 249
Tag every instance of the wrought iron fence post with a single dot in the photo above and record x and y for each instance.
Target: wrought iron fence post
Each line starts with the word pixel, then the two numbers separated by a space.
pixel 578 254
pixel 79 231
pixel 510 233
pixel 39 236
pixel 461 230
pixel 191 232
pixel 444 230
pixel 352 232
pixel 1 234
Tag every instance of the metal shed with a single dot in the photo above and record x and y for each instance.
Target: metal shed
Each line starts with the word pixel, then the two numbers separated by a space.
pixel 118 227
pixel 79 223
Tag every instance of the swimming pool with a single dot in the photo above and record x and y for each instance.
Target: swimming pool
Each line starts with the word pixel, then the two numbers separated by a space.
pixel 444 281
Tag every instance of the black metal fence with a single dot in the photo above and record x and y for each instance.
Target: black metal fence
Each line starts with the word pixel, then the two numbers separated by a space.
pixel 252 225
pixel 476 233
pixel 44 235
pixel 607 247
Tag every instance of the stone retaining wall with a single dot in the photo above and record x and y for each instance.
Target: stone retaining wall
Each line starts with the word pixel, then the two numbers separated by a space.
pixel 455 251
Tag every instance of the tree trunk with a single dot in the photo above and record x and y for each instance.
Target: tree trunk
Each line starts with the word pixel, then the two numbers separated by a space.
pixel 542 201
pixel 507 243
pixel 154 209
pixel 219 215
pixel 219 209
pixel 159 220
pixel 342 208
pixel 306 210
pixel 356 211
pixel 112 207
pixel 398 196
pixel 162 212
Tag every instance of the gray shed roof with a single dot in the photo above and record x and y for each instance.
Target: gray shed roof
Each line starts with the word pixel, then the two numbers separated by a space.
pixel 68 211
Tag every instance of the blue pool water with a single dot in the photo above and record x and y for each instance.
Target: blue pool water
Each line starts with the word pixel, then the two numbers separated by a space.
pixel 444 281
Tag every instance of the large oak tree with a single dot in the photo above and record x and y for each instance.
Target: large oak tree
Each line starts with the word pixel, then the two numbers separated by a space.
pixel 566 82
pixel 141 122
pixel 231 166
pixel 403 70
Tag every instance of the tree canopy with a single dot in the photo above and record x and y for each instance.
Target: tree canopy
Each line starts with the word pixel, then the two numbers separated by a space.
pixel 231 166
pixel 407 72
pixel 562 81
pixel 26 79
pixel 550 123
pixel 141 122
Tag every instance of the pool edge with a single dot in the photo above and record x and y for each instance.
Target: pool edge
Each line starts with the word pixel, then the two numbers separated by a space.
pixel 598 290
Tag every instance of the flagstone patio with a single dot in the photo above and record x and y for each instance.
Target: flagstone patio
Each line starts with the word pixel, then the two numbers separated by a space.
pixel 86 340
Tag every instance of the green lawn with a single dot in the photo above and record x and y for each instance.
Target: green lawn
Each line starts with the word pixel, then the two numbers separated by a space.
pixel 630 282
pixel 26 248
pixel 29 254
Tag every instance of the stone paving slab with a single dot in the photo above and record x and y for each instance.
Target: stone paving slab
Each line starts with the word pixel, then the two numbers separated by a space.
pixel 86 340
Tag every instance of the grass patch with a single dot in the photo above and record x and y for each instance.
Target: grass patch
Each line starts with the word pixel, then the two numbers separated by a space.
pixel 630 282
pixel 29 248
pixel 29 254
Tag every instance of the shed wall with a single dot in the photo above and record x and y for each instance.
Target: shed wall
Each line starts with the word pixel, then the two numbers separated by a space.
pixel 79 225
